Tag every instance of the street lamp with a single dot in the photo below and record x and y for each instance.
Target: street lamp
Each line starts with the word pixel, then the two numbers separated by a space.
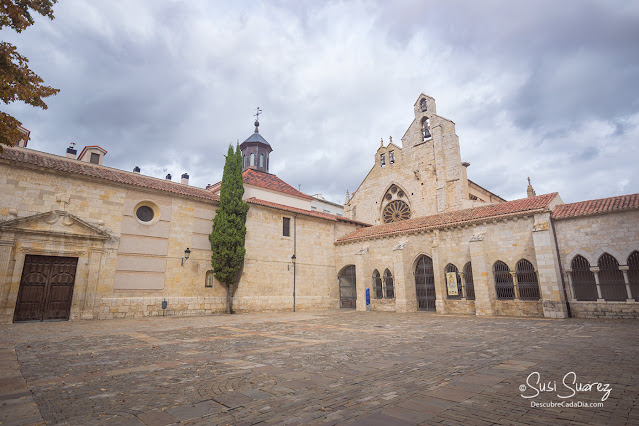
pixel 187 253
pixel 293 259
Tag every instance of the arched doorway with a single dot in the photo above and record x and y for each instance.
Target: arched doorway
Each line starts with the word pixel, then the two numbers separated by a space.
pixel 425 284
pixel 347 287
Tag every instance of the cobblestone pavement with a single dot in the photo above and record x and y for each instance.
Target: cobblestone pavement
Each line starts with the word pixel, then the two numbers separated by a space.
pixel 331 367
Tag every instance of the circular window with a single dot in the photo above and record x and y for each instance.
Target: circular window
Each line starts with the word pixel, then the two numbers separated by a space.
pixel 147 212
pixel 393 189
pixel 389 196
pixel 396 211
pixel 400 194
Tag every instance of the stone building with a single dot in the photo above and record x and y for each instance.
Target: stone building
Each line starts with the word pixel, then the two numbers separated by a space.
pixel 80 240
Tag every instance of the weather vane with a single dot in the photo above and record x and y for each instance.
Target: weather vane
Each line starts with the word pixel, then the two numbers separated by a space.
pixel 257 113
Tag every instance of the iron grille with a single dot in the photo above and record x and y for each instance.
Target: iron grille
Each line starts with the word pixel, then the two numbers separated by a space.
pixel 583 280
pixel 611 281
pixel 527 281
pixel 425 284
pixel 388 281
pixel 504 286
pixel 633 274
pixel 377 285
pixel 452 268
pixel 470 286
pixel 347 287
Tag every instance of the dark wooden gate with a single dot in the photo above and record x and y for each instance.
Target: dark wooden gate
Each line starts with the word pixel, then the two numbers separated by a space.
pixel 347 288
pixel 46 288
pixel 425 284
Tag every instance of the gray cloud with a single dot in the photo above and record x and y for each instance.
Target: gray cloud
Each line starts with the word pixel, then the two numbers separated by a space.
pixel 544 89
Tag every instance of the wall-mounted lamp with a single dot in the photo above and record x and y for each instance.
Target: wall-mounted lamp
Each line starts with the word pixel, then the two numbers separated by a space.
pixel 187 253
pixel 293 258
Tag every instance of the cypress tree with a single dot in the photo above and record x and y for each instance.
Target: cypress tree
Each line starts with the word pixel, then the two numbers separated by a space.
pixel 229 226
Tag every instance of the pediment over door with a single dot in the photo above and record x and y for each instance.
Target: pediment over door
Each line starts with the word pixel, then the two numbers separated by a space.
pixel 54 223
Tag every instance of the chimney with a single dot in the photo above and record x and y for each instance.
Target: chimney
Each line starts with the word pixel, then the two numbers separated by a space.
pixel 185 179
pixel 136 169
pixel 168 177
pixel 71 151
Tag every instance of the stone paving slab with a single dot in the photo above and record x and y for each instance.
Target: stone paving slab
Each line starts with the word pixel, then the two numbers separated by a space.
pixel 336 367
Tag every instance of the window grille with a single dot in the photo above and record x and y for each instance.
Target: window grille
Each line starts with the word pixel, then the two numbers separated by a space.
pixel 286 227
pixel 377 285
pixel 452 268
pixel 468 277
pixel 388 281
pixel 504 286
pixel 583 280
pixel 613 285
pixel 425 284
pixel 527 281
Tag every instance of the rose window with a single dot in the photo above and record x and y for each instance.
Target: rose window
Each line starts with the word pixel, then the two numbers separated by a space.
pixel 396 211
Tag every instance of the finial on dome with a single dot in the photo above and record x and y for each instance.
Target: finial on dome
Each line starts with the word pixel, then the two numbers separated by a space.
pixel 257 119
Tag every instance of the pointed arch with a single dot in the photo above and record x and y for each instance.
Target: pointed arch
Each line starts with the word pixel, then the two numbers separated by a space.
pixel 347 286
pixel 470 283
pixel 504 285
pixel 589 257
pixel 611 280
pixel 633 273
pixel 450 268
pixel 389 285
pixel 425 283
pixel 527 281
pixel 583 280
pixel 377 285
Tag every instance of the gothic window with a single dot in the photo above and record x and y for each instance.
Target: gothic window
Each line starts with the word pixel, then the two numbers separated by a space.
pixel 583 280
pixel 450 268
pixel 388 283
pixel 396 211
pixel 527 281
pixel 377 285
pixel 261 160
pixel 286 226
pixel 633 273
pixel 383 158
pixel 426 128
pixel 468 277
pixel 424 105
pixel 252 159
pixel 611 281
pixel 504 286
pixel 391 157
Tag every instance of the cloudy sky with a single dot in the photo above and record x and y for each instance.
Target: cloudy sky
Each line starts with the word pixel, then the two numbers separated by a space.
pixel 546 89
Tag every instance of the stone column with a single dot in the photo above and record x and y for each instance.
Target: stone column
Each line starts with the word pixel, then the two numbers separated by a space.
pixel 6 248
pixel 439 277
pixel 484 293
pixel 595 271
pixel 625 270
pixel 95 261
pixel 571 285
pixel 548 272
pixel 14 284
pixel 515 284
pixel 405 295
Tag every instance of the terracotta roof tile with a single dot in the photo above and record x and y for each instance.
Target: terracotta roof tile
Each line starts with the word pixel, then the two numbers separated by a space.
pixel 602 205
pixel 466 216
pixel 320 215
pixel 54 162
pixel 272 182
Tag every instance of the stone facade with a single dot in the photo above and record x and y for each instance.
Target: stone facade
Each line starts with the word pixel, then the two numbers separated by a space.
pixel 130 233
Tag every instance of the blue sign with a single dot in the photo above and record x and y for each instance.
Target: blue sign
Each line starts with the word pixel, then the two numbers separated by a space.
pixel 368 296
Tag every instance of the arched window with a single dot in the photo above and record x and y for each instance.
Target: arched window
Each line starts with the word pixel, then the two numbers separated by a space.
pixel 244 160
pixel 613 286
pixel 208 280
pixel 452 269
pixel 347 287
pixel 468 277
pixel 425 284
pixel 252 159
pixel 503 281
pixel 633 274
pixel 583 280
pixel 261 160
pixel 426 128
pixel 377 285
pixel 527 281
pixel 383 159
pixel 424 105
pixel 388 282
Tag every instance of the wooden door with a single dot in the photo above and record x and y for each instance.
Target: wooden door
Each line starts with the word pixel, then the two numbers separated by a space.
pixel 46 288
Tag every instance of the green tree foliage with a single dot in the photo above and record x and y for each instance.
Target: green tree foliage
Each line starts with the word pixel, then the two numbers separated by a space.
pixel 229 226
pixel 19 83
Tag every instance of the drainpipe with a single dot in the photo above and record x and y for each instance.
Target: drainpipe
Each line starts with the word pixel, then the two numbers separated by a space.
pixel 294 255
pixel 561 269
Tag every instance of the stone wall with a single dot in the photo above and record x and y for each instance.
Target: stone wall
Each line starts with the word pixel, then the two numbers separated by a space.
pixel 608 310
